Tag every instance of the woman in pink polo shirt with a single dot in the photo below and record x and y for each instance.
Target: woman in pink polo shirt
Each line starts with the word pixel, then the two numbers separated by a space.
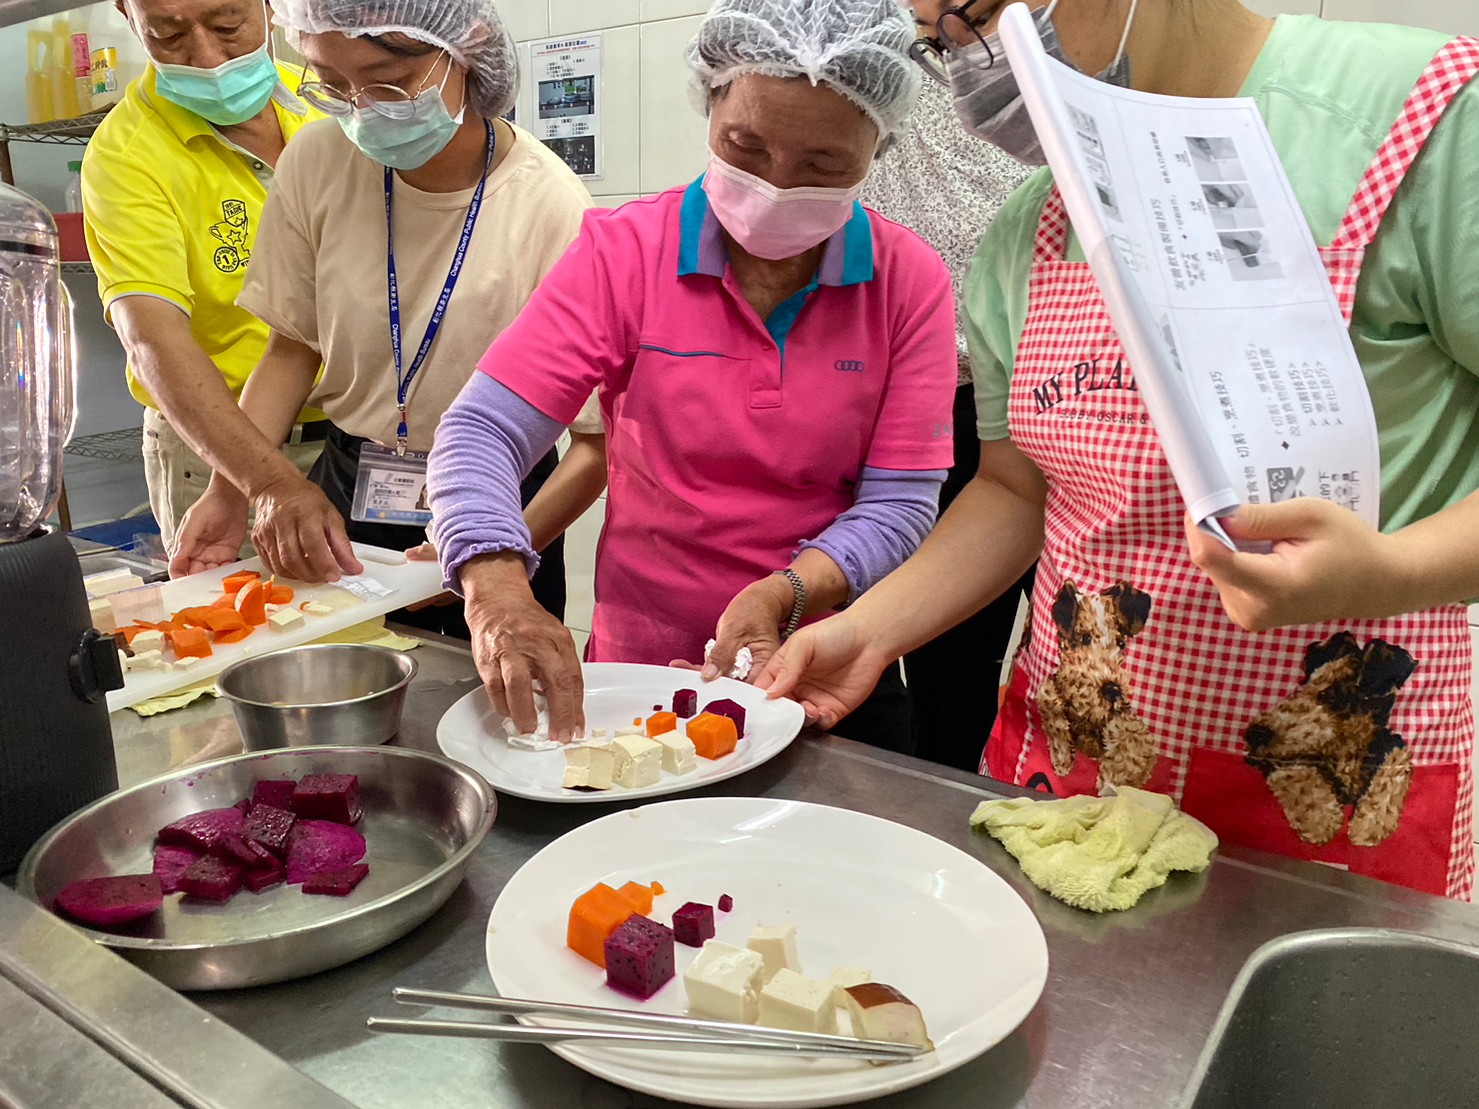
pixel 776 367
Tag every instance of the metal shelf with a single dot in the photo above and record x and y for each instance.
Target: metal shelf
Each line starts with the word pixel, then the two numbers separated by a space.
pixel 78 267
pixel 60 132
pixel 110 446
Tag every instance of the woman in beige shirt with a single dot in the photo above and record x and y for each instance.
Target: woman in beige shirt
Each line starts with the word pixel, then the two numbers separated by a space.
pixel 401 237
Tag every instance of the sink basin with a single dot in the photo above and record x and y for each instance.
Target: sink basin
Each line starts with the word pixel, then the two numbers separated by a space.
pixel 1346 1019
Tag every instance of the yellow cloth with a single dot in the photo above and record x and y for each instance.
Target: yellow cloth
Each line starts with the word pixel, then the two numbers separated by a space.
pixel 373 632
pixel 172 212
pixel 1098 853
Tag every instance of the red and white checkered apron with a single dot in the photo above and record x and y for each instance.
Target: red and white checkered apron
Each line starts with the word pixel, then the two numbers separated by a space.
pixel 1114 515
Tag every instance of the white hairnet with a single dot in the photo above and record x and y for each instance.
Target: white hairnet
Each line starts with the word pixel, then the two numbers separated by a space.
pixel 857 47
pixel 471 31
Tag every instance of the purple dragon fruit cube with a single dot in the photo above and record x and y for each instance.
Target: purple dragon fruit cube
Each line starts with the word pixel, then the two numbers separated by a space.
pixel 726 903
pixel 275 792
pixel 685 703
pixel 203 830
pixel 693 923
pixel 170 864
pixel 336 883
pixel 211 879
pixel 639 957
pixel 732 709
pixel 269 826
pixel 265 877
pixel 243 806
pixel 333 797
pixel 234 849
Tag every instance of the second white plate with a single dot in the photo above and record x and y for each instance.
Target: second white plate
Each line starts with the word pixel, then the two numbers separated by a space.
pixel 475 734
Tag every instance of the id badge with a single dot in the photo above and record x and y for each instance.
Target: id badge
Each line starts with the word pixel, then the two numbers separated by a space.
pixel 391 489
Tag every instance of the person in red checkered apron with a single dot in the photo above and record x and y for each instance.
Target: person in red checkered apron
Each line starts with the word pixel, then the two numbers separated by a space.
pixel 1347 742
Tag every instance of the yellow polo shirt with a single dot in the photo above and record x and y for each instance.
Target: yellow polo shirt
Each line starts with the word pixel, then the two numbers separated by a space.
pixel 172 212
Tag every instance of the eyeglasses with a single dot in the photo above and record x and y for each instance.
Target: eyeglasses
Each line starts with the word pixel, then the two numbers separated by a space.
pixel 391 101
pixel 956 32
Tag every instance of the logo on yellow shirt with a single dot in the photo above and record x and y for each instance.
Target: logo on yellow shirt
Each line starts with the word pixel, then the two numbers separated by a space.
pixel 233 231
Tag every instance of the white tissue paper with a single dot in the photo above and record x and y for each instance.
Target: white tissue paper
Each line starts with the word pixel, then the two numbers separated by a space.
pixel 744 661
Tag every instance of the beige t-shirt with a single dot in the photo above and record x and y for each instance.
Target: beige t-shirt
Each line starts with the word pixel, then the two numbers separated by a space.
pixel 318 273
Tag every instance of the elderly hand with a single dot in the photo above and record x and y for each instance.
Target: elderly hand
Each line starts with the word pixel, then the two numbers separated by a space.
pixel 517 644
pixel 829 666
pixel 212 533
pixel 426 552
pixel 753 619
pixel 1326 564
pixel 300 535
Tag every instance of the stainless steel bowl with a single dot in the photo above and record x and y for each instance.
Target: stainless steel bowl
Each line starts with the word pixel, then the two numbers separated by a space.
pixel 424 817
pixel 330 694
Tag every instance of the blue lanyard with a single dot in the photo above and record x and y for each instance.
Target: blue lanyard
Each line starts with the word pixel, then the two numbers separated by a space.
pixel 404 377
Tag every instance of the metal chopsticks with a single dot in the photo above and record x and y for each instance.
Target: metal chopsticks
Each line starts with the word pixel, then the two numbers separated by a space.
pixel 632 1028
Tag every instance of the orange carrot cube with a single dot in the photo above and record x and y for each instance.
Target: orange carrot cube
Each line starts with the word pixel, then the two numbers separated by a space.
pixel 713 736
pixel 190 643
pixel 596 913
pixel 661 723
pixel 638 895
pixel 235 583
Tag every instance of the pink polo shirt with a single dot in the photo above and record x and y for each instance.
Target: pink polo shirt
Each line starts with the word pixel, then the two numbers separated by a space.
pixel 730 440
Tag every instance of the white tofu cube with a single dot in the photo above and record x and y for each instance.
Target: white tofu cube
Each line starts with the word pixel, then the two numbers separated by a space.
pixel 186 663
pixel 144 660
pixel 589 766
pixel 638 761
pixel 631 729
pixel 842 978
pixel 285 619
pixel 880 1012
pixel 109 582
pixel 799 1004
pixel 598 733
pixel 678 754
pixel 776 944
pixel 724 983
pixel 148 642
pixel 103 617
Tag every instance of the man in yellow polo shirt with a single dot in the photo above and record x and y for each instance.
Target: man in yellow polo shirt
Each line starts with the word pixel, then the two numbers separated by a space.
pixel 173 187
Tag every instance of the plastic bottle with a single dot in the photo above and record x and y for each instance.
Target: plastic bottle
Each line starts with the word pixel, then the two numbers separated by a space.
pixel 74 186
pixel 82 58
pixel 64 80
pixel 40 104
pixel 117 56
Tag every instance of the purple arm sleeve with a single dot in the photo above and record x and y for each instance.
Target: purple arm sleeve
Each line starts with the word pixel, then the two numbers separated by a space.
pixel 486 444
pixel 891 514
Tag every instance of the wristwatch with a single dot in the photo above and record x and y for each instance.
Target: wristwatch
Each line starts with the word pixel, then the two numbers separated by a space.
pixel 798 609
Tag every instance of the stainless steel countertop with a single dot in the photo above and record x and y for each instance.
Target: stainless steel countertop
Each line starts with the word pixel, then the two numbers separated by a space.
pixel 1129 1003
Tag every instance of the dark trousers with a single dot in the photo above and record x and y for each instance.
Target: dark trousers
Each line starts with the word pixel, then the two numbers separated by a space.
pixel 953 680
pixel 336 472
pixel 883 719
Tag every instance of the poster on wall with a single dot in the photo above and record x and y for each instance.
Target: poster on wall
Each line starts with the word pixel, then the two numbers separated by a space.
pixel 562 95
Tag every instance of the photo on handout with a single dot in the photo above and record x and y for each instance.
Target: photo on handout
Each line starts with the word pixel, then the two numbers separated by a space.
pixel 1249 256
pixel 1215 158
pixel 1232 205
pixel 560 99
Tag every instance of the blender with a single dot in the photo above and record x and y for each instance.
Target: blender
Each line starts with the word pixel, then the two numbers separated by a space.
pixel 56 747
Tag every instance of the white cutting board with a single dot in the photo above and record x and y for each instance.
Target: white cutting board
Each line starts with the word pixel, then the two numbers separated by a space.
pixel 409 583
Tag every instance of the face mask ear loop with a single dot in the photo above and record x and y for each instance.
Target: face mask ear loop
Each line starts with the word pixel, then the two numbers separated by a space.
pixel 1051 8
pixel 1125 38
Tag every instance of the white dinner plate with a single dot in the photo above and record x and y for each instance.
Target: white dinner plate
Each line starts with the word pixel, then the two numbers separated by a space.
pixel 475 734
pixel 920 915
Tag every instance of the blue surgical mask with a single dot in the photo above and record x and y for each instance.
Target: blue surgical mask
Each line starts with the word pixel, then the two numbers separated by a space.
pixel 227 95
pixel 408 143
pixel 988 102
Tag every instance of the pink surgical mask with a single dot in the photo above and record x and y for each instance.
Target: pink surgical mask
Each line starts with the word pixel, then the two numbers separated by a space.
pixel 774 223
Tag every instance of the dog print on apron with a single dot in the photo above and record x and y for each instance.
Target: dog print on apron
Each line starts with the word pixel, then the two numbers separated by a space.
pixel 1348 743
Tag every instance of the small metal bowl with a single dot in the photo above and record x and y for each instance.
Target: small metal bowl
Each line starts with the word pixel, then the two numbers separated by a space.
pixel 347 695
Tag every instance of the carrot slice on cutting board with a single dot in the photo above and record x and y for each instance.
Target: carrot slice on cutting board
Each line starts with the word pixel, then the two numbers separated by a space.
pixel 190 643
pixel 224 638
pixel 251 602
pixel 226 621
pixel 233 584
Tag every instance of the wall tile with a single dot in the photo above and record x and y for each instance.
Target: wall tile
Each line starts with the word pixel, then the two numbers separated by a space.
pixel 525 19
pixel 1284 7
pixel 574 17
pixel 621 113
pixel 613 201
pixel 672 9
pixel 674 133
